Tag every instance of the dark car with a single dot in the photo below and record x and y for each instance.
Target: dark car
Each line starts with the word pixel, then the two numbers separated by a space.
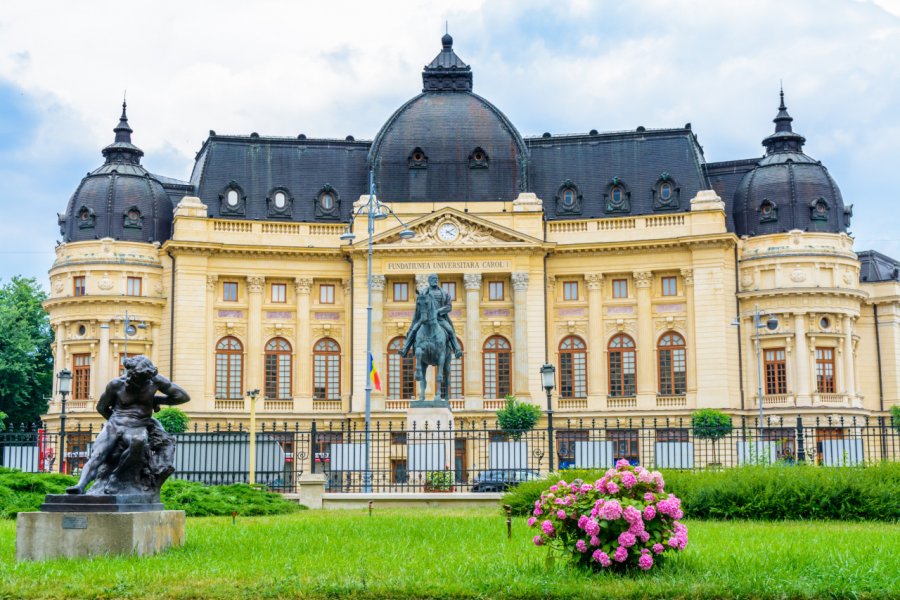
pixel 500 480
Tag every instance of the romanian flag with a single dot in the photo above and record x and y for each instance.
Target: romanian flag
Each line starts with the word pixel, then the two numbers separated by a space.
pixel 376 380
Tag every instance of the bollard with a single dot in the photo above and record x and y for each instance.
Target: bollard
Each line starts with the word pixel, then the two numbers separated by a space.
pixel 508 510
pixel 234 517
pixel 370 507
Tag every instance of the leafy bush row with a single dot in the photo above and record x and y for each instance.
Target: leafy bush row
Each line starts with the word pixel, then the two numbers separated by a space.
pixel 766 493
pixel 22 492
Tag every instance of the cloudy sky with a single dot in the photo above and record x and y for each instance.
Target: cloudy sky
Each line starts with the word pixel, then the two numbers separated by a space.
pixel 329 69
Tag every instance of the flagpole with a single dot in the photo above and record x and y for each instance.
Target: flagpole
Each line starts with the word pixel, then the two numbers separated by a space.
pixel 367 477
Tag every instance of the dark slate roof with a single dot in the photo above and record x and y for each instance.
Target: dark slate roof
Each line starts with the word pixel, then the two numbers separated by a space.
pixel 302 168
pixel 637 160
pixel 119 199
pixel 875 267
pixel 787 188
pixel 724 178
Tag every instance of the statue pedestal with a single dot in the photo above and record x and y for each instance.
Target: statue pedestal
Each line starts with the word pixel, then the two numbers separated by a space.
pixel 46 535
pixel 429 445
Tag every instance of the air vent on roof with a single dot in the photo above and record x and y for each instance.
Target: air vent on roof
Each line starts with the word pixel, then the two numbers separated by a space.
pixel 302 136
pixel 254 135
pixel 349 138
pixel 593 132
pixel 641 128
pixel 546 134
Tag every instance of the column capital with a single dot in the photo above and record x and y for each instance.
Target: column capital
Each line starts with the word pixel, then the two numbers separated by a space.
pixel 594 281
pixel 472 281
pixel 211 281
pixel 520 281
pixel 303 285
pixel 378 282
pixel 551 283
pixel 643 279
pixel 255 283
pixel 688 276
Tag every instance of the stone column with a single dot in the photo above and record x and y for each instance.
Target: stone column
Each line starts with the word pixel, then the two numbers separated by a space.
pixel 303 351
pixel 597 384
pixel 101 372
pixel 849 379
pixel 253 357
pixel 802 361
pixel 472 360
pixel 378 282
pixel 212 282
pixel 646 345
pixel 520 333
pixel 691 352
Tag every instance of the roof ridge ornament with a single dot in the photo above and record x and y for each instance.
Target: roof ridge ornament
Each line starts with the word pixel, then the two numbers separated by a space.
pixel 122 150
pixel 447 72
pixel 784 139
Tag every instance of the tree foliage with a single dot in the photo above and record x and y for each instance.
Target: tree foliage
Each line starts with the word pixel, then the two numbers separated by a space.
pixel 517 417
pixel 26 360
pixel 173 420
pixel 895 416
pixel 710 424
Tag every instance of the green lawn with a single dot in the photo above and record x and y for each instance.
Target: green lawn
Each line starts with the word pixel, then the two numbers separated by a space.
pixel 443 554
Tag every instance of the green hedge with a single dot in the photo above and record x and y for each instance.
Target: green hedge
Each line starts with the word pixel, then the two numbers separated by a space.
pixel 799 492
pixel 23 492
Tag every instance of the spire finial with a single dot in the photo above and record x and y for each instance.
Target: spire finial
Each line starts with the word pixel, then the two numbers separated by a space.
pixel 781 94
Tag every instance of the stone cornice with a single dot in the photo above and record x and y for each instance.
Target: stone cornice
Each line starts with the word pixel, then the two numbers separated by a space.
pixel 94 300
pixel 804 291
pixel 211 248
pixel 725 241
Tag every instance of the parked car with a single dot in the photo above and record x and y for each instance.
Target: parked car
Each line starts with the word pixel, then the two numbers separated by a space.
pixel 500 480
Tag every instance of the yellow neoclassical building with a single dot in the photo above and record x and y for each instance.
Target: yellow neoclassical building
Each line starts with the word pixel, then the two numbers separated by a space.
pixel 625 259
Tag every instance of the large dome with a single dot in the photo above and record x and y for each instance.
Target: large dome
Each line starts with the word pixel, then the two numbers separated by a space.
pixel 787 189
pixel 120 199
pixel 448 144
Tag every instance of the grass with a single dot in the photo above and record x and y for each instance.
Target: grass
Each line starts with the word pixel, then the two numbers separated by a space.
pixel 464 554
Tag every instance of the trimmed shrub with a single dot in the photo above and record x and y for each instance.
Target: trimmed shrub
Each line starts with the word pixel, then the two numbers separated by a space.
pixel 517 417
pixel 710 424
pixel 624 520
pixel 173 420
pixel 24 492
pixel 797 492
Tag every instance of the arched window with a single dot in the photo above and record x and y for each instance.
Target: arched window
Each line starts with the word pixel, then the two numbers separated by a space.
pixel 572 368
pixel 278 369
pixel 672 367
pixel 496 363
pixel 326 370
pixel 229 369
pixel 621 367
pixel 456 390
pixel 400 371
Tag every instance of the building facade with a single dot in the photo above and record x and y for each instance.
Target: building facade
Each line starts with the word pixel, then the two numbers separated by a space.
pixel 626 259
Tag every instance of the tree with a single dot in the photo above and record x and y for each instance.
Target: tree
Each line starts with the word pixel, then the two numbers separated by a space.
pixel 517 417
pixel 173 420
pixel 26 359
pixel 710 424
pixel 895 416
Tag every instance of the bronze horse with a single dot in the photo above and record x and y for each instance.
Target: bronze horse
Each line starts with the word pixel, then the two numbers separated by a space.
pixel 432 346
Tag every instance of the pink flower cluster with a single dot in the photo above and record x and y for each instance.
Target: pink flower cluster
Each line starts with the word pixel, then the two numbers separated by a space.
pixel 624 519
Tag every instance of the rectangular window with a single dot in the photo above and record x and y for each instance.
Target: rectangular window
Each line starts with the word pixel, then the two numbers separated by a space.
pixel 279 292
pixel 565 446
pixel 672 435
pixel 450 288
pixel 495 290
pixel 776 371
pixel 229 291
pixel 401 291
pixel 133 286
pixel 825 370
pixel 620 288
pixel 669 286
pixel 570 290
pixel 326 293
pixel 785 442
pixel 398 438
pixel 398 470
pixel 625 444
pixel 78 283
pixel 81 388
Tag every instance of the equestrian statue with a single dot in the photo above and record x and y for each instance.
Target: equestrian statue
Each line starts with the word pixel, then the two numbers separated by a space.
pixel 432 337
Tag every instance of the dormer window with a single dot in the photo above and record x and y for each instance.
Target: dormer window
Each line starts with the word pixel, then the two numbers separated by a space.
pixel 417 159
pixel 328 203
pixel 665 193
pixel 819 210
pixel 478 159
pixel 768 212
pixel 617 198
pixel 279 203
pixel 568 199
pixel 85 217
pixel 133 218
pixel 232 200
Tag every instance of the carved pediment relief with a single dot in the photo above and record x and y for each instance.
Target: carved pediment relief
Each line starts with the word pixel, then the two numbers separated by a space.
pixel 450 227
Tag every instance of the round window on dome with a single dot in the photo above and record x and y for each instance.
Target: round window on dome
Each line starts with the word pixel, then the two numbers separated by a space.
pixel 327 201
pixel 616 195
pixel 280 200
pixel 418 156
pixel 665 191
pixel 232 198
pixel 569 197
pixel 479 156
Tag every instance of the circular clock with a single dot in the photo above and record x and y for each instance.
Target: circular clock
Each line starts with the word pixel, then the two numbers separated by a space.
pixel 448 231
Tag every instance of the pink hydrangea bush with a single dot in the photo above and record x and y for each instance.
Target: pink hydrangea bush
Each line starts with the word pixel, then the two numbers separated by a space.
pixel 625 519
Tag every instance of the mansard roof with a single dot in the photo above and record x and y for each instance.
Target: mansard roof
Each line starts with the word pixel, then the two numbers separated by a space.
pixel 876 267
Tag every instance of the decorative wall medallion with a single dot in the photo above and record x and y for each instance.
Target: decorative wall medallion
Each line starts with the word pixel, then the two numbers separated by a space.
pixel 746 280
pixel 848 278
pixel 58 286
pixel 105 283
pixel 798 275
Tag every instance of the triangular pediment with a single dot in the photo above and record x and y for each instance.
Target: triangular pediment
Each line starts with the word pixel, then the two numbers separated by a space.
pixel 453 228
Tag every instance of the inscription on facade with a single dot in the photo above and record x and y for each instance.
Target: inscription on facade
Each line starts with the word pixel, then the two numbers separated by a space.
pixel 399 314
pixel 326 316
pixel 237 314
pixel 620 310
pixel 444 266
pixel 496 312
pixel 279 314
pixel 572 312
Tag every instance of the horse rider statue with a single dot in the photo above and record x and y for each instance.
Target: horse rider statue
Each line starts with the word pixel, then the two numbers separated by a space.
pixel 443 301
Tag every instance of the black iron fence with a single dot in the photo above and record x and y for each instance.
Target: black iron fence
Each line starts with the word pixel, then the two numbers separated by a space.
pixel 475 456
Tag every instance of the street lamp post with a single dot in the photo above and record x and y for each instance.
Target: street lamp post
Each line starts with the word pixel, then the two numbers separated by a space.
pixel 253 394
pixel 548 379
pixel 130 330
pixel 375 211
pixel 771 324
pixel 65 386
